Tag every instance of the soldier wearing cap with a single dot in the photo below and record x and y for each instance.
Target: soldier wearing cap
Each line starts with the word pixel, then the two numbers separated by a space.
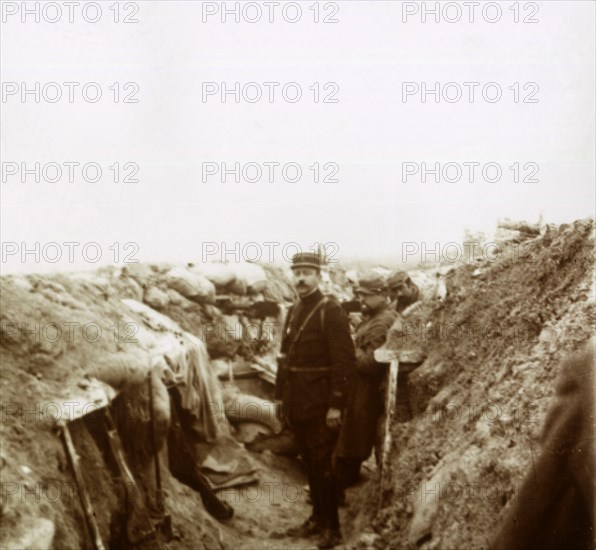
pixel 315 371
pixel 359 430
pixel 403 292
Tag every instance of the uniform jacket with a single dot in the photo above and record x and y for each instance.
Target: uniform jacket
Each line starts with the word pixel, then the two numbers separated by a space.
pixel 555 505
pixel 359 428
pixel 325 343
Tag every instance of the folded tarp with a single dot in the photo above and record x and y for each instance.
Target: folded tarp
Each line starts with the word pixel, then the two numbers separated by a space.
pixel 184 362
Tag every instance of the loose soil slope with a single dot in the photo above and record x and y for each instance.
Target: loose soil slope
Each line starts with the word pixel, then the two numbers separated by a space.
pixel 494 349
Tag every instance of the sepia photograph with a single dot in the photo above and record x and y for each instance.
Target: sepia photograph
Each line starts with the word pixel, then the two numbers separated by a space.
pixel 282 275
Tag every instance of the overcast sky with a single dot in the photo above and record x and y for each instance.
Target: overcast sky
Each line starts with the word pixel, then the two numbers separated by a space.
pixel 369 55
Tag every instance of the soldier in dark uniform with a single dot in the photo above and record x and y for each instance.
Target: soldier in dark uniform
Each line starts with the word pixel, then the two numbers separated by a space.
pixel 555 506
pixel 315 371
pixel 403 292
pixel 360 427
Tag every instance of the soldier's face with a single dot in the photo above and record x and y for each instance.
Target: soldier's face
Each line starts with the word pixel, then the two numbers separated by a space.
pixel 397 291
pixel 370 302
pixel 306 279
pixel 400 291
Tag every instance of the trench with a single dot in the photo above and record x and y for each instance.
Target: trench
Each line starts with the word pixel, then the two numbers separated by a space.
pixel 549 295
pixel 130 513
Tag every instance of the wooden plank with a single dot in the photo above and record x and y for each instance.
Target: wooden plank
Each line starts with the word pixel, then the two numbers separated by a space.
pixel 386 355
pixel 88 514
pixel 390 400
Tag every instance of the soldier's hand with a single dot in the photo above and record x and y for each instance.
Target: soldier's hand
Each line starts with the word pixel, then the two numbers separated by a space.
pixel 362 363
pixel 333 418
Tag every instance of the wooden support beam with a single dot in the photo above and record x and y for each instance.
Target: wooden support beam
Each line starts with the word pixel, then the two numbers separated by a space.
pixel 390 400
pixel 88 514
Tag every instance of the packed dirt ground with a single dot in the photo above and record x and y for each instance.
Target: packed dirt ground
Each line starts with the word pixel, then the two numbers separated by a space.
pixel 493 348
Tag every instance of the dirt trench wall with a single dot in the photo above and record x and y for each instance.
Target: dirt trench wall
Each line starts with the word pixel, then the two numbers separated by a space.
pixel 482 394
pixel 59 334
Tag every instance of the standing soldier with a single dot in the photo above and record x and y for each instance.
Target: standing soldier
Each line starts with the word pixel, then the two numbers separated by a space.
pixel 360 427
pixel 315 371
pixel 403 292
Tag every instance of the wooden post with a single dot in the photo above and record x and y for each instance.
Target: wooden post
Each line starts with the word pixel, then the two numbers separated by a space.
pixel 384 356
pixel 88 514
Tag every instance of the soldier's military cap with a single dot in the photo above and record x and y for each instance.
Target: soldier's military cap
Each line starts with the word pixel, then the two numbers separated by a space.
pixel 306 259
pixel 371 283
pixel 397 278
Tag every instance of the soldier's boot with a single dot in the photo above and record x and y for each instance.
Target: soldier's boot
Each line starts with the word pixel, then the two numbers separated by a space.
pixel 331 535
pixel 312 526
pixel 330 538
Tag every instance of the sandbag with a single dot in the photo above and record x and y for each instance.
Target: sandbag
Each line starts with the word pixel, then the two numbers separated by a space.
pixel 256 287
pixel 219 274
pixel 242 408
pixel 176 298
pixel 140 273
pixel 279 285
pixel 280 444
pixel 153 319
pixel 253 276
pixel 124 368
pixel 156 298
pixel 249 432
pixel 191 285
pixel 237 286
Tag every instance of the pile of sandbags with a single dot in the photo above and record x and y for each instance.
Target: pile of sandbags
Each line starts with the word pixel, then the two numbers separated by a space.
pixel 201 282
pixel 142 274
pixel 253 276
pixel 218 273
pixel 191 285
pixel 279 286
pixel 234 278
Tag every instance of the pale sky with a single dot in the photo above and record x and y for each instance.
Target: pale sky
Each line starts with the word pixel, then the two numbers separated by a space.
pixel 369 133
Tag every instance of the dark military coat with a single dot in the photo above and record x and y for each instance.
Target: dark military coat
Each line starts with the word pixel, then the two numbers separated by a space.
pixel 320 364
pixel 360 426
pixel 555 505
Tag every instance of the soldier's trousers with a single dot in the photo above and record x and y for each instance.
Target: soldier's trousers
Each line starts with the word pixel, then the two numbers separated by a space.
pixel 316 443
